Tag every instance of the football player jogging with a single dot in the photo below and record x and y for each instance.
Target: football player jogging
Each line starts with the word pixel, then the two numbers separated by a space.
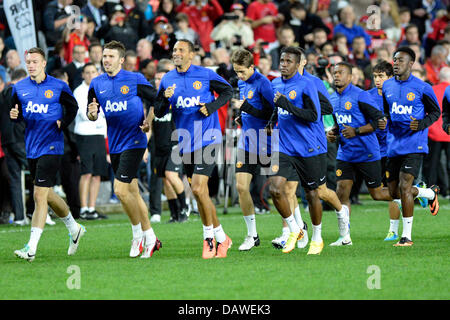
pixel 298 106
pixel 189 89
pixel 412 107
pixel 325 194
pixel 382 72
pixel 120 93
pixel 256 108
pixel 47 106
pixel 359 151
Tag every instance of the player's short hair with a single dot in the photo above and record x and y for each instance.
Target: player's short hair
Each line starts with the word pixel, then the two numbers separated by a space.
pixel 347 65
pixel 408 51
pixel 89 64
pixel 242 57
pixel 18 74
pixel 189 43
pixel 385 67
pixel 116 45
pixel 292 50
pixel 38 51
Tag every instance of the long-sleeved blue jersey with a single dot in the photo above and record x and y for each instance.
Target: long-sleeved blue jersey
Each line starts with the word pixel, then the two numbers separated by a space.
pixel 401 101
pixel 196 85
pixel 41 105
pixel 298 114
pixel 355 108
pixel 120 98
pixel 381 134
pixel 256 111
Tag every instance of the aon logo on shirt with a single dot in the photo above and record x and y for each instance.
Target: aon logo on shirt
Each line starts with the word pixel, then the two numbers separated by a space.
pixel 283 112
pixel 36 108
pixel 400 109
pixel 343 118
pixel 187 102
pixel 115 106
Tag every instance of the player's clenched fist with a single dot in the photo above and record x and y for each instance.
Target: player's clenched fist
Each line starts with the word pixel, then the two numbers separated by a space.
pixel 14 113
pixel 93 110
pixel 168 93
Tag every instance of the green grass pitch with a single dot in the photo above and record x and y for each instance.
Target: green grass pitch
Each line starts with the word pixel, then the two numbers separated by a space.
pixel 178 272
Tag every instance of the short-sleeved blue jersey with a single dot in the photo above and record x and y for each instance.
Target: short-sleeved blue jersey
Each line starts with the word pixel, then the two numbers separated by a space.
pixel 297 137
pixel 346 106
pixel 41 108
pixel 257 91
pixel 123 109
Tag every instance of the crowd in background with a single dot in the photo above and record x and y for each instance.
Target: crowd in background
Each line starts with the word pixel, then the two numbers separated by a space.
pixel 330 31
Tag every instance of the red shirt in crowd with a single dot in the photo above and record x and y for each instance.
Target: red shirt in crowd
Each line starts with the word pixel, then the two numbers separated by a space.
pixel 201 20
pixel 258 10
pixel 75 40
pixel 433 72
pixel 435 131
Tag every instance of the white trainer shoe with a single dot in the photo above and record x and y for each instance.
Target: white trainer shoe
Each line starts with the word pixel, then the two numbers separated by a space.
pixel 249 242
pixel 137 246
pixel 155 218
pixel 342 241
pixel 303 242
pixel 25 253
pixel 280 242
pixel 49 220
pixel 150 249
pixel 75 240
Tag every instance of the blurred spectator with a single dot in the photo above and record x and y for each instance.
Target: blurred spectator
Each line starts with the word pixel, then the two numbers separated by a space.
pixel 56 16
pixel 56 59
pixel 3 51
pixel 74 68
pixel 90 141
pixel 201 18
pixel 418 50
pixel 421 74
pixel 358 77
pixel 130 61
pixel 165 64
pixel 135 18
pixel 286 38
pixel 121 29
pixel 233 32
pixel 184 31
pixel 327 49
pixel 438 29
pixel 418 13
pixel 148 69
pixel 435 63
pixel 359 55
pixel 265 67
pixel 77 37
pixel 13 143
pixel 411 35
pixel 12 63
pixel 349 27
pixel 319 38
pixel 264 18
pixel 225 69
pixel 303 24
pixel 144 50
pixel 167 8
pixel 340 44
pixel 93 9
pixel 96 55
pixel 382 54
pixel 390 19
pixel 164 39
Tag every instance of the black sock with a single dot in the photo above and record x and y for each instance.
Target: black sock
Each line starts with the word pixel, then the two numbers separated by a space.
pixel 173 206
pixel 182 200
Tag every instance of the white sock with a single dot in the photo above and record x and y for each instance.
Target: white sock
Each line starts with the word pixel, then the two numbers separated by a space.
pixel 208 232
pixel 35 235
pixel 84 209
pixel 425 193
pixel 393 226
pixel 317 233
pixel 407 227
pixel 286 231
pixel 91 209
pixel 70 223
pixel 341 214
pixel 137 231
pixel 293 226
pixel 298 217
pixel 219 234
pixel 149 235
pixel 250 221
